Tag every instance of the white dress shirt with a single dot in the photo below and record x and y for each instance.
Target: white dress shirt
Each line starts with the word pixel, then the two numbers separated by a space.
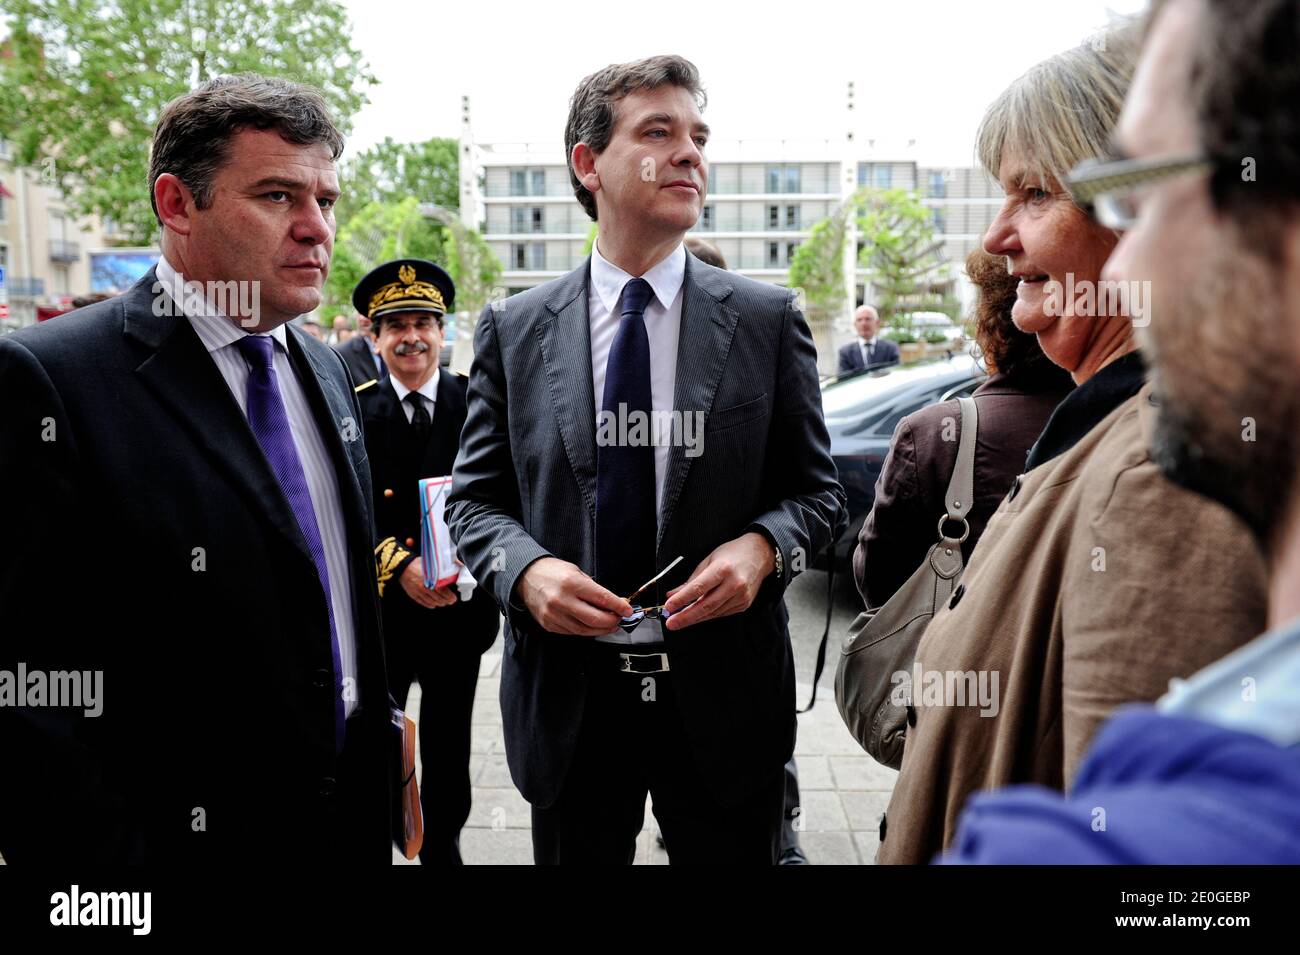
pixel 219 334
pixel 863 343
pixel 428 393
pixel 663 320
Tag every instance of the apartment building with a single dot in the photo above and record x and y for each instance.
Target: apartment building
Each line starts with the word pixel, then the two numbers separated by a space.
pixel 46 253
pixel 763 200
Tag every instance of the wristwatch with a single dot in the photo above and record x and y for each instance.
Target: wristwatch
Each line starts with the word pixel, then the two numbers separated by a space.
pixel 780 562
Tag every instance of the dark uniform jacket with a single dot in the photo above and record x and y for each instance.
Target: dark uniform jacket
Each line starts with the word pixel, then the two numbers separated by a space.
pixel 397 464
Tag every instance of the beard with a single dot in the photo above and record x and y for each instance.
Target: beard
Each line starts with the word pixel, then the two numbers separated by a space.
pixel 1225 381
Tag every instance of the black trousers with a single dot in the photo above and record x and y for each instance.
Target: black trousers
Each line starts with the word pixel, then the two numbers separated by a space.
pixel 632 743
pixel 446 664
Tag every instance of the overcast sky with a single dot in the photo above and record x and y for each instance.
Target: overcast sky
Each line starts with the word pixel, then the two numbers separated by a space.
pixel 923 69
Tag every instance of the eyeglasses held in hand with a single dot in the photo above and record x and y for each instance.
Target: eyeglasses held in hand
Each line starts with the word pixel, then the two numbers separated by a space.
pixel 639 613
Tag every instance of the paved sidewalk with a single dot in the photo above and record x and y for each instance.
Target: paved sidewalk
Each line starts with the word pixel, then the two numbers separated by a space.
pixel 843 791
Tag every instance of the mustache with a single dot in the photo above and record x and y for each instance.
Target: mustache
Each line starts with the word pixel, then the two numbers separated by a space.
pixel 411 348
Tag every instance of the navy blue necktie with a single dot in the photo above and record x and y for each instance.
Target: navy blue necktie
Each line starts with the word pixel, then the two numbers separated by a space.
pixel 626 522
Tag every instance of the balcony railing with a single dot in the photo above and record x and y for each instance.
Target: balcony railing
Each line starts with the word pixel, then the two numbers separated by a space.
pixel 24 287
pixel 62 250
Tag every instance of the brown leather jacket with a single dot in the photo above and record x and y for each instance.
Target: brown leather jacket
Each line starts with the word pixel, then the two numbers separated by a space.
pixel 903 522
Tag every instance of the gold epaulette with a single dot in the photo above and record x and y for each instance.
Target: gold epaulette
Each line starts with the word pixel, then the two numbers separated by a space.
pixel 387 556
pixel 366 384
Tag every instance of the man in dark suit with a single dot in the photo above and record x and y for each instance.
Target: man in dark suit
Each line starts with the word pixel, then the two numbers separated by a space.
pixel 195 528
pixel 360 354
pixel 869 351
pixel 413 419
pixel 709 445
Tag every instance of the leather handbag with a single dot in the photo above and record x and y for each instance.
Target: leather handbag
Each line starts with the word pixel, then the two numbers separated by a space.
pixel 873 682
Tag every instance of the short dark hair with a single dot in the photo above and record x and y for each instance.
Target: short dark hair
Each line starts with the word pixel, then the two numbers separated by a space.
pixel 706 252
pixel 591 110
pixel 192 138
pixel 1245 89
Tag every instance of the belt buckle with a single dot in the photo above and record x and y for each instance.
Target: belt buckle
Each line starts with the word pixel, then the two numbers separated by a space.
pixel 627 662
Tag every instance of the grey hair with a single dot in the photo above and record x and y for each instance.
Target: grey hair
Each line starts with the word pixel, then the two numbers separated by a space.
pixel 1063 110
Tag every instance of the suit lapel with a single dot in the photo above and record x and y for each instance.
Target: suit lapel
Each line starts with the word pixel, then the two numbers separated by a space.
pixel 707 328
pixel 445 433
pixel 185 379
pixel 564 338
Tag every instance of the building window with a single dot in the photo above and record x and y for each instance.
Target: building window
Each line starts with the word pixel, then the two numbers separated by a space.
pixel 773 217
pixel 773 255
pixel 792 217
pixel 864 170
pixel 789 251
pixel 706 219
pixel 539 182
pixel 3 214
pixel 517 219
pixel 713 179
pixel 783 179
pixel 938 222
pixel 517 255
pixel 884 175
pixel 938 185
pixel 537 255
pixel 537 219
pixel 518 182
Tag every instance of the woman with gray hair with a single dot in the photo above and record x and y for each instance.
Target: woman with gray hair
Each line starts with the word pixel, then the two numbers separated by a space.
pixel 1096 581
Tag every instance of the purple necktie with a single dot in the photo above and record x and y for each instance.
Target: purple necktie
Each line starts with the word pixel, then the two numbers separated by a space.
pixel 270 423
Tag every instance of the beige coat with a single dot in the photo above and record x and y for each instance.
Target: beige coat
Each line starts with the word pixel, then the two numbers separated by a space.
pixel 1096 582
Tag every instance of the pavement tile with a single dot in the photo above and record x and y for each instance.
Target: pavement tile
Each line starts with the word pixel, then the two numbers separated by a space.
pixel 864 809
pixel 862 772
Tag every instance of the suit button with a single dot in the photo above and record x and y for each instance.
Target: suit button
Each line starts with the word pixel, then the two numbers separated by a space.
pixel 327 786
pixel 911 715
pixel 322 679
pixel 410 542
pixel 882 826
pixel 956 596
pixel 1015 488
pixel 388 492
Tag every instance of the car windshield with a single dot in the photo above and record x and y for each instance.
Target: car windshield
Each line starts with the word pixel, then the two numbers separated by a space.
pixel 848 396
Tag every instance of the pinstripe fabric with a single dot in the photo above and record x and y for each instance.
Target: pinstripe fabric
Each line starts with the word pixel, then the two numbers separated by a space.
pixel 524 487
pixel 219 335
pixel 530 410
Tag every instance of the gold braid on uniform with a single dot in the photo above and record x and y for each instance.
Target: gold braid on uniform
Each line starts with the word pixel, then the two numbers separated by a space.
pixel 388 557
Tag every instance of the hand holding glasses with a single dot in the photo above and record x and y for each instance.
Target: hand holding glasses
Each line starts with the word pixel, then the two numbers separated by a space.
pixel 639 613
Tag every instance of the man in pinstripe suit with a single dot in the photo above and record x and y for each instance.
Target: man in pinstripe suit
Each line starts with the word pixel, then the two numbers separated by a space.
pixel 563 507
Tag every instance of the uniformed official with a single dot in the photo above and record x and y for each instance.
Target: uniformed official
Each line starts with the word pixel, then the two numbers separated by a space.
pixel 413 419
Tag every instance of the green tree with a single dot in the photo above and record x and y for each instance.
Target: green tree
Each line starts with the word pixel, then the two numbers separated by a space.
pixel 382 231
pixel 901 257
pixel 84 82
pixel 390 172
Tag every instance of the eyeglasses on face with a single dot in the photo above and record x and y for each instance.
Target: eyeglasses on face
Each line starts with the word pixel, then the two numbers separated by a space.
pixel 1107 188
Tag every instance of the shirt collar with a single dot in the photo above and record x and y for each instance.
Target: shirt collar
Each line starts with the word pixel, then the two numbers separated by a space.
pixel 1087 406
pixel 215 329
pixel 428 390
pixel 665 277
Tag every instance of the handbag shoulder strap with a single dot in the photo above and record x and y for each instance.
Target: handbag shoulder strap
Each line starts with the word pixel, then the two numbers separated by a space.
pixel 961 489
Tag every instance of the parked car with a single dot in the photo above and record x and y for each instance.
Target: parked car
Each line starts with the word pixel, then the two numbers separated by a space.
pixel 862 412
